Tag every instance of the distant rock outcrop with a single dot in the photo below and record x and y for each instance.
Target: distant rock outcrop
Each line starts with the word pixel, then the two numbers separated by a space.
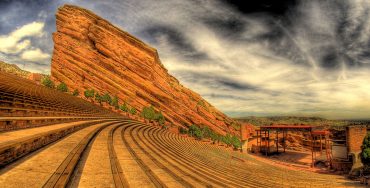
pixel 91 53
pixel 14 69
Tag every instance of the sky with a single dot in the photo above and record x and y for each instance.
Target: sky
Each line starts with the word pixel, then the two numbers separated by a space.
pixel 273 58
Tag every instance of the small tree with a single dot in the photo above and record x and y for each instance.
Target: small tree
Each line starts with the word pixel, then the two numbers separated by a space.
pixel 182 130
pixel 98 98
pixel 133 111
pixel 196 132
pixel 124 107
pixel 46 81
pixel 235 141
pixel 192 130
pixel 89 93
pixel 206 132
pixel 107 98
pixel 148 113
pixel 227 139
pixel 115 102
pixel 76 92
pixel 62 87
pixel 365 153
pixel 160 118
pixel 213 136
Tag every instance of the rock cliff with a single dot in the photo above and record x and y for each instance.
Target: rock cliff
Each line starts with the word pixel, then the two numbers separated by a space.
pixel 91 53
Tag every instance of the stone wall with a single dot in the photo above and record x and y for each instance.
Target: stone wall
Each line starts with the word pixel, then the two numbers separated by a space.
pixel 355 137
pixel 246 131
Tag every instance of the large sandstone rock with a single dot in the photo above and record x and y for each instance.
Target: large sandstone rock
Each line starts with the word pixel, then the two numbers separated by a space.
pixel 91 53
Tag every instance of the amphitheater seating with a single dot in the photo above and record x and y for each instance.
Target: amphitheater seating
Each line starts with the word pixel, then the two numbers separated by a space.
pixel 24 104
pixel 99 148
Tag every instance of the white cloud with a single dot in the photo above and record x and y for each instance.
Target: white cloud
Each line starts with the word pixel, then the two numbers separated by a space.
pixel 15 41
pixel 35 55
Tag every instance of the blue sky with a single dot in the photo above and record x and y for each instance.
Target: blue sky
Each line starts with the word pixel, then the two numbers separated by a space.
pixel 308 58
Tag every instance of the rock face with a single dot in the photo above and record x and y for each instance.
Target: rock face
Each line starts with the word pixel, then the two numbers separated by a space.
pixel 91 53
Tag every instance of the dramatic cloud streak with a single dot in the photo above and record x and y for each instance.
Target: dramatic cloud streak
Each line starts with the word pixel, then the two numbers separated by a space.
pixel 313 60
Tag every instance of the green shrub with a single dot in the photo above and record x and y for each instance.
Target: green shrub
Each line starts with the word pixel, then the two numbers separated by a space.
pixel 133 111
pixel 98 97
pixel 89 93
pixel 76 92
pixel 214 136
pixel 192 130
pixel 124 107
pixel 46 81
pixel 365 153
pixel 107 98
pixel 182 130
pixel 148 113
pixel 227 139
pixel 115 102
pixel 160 118
pixel 196 132
pixel 207 132
pixel 62 87
pixel 235 141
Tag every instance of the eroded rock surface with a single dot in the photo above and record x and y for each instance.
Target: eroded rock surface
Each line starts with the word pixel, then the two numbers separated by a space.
pixel 91 53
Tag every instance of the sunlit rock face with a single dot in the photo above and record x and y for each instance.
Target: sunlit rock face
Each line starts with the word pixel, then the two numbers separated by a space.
pixel 91 53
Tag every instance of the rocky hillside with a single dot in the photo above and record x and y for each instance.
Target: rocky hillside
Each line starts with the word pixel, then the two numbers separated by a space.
pixel 91 53
pixel 13 69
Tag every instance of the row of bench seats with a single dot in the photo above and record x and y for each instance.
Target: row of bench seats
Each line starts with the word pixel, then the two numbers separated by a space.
pixel 24 104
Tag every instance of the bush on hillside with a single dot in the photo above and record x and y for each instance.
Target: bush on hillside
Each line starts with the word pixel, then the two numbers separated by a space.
pixel 206 132
pixel 227 139
pixel 133 111
pixel 124 107
pixel 148 113
pixel 47 82
pixel 76 92
pixel 160 118
pixel 196 132
pixel 235 141
pixel 182 130
pixel 107 98
pixel 115 102
pixel 98 98
pixel 192 129
pixel 89 93
pixel 214 137
pixel 62 87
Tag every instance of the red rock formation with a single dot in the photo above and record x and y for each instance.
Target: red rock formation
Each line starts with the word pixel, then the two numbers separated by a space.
pixel 89 52
pixel 36 77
